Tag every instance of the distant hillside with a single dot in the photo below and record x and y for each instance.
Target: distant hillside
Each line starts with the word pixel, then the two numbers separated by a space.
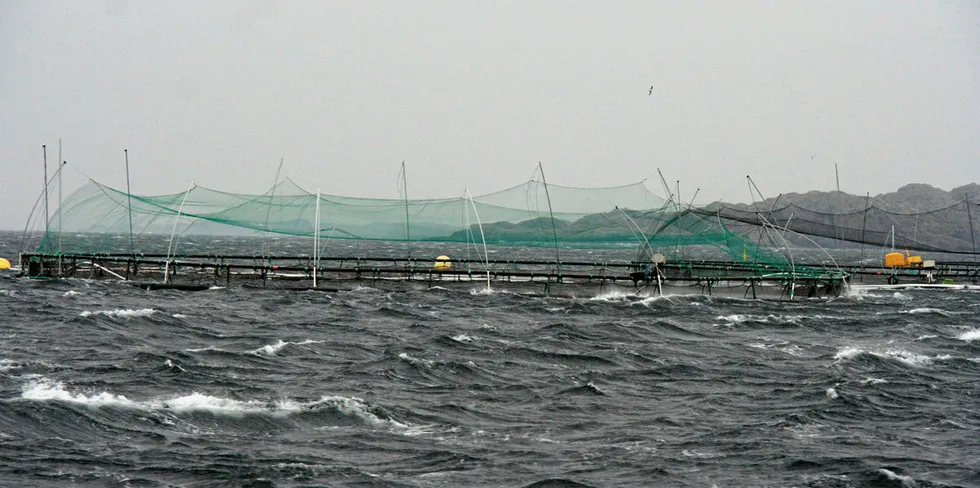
pixel 916 216
pixel 911 198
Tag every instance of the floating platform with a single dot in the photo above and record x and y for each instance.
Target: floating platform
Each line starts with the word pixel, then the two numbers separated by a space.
pixel 535 277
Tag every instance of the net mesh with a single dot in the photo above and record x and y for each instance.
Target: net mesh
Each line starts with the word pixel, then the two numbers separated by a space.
pixel 97 218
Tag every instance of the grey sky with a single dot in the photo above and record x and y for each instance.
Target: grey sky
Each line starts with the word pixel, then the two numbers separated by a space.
pixel 473 94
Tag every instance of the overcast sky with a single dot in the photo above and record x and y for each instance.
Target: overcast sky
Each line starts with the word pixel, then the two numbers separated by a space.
pixel 472 94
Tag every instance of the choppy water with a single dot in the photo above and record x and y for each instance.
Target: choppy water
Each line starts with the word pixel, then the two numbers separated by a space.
pixel 102 384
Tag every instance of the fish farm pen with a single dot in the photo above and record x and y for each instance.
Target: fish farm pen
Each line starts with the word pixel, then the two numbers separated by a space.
pixel 546 239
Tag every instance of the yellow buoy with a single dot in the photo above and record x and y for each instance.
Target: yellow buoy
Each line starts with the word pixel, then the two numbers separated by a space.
pixel 894 259
pixel 4 264
pixel 443 262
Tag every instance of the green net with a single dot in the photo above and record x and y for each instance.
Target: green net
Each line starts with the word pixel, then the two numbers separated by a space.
pixel 97 218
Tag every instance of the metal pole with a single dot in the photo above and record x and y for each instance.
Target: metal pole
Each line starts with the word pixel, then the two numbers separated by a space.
pixel 408 232
pixel 316 239
pixel 554 231
pixel 969 217
pixel 129 203
pixel 60 213
pixel 864 225
pixel 44 150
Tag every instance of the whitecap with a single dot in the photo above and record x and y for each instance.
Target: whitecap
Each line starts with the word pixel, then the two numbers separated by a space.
pixel 832 393
pixel 48 390
pixel 647 301
pixel 613 296
pixel 45 389
pixel 905 480
pixel 416 361
pixel 120 313
pixel 908 357
pixel 847 353
pixel 969 336
pixel 874 381
pixel 170 364
pixel 734 318
pixel 484 291
pixel 71 293
pixel 463 338
pixel 272 349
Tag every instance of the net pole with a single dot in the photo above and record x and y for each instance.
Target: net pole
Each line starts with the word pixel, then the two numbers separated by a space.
pixel 173 233
pixel 44 152
pixel 864 224
pixel 62 163
pixel 129 205
pixel 969 217
pixel 486 255
pixel 316 238
pixel 268 209
pixel 554 231
pixel 408 231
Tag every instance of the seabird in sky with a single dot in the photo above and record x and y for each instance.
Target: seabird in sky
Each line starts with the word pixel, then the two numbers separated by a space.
pixel 651 91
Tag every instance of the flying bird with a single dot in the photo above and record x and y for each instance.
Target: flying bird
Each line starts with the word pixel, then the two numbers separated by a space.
pixel 651 91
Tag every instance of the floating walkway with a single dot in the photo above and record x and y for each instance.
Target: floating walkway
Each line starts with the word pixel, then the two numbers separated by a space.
pixel 536 277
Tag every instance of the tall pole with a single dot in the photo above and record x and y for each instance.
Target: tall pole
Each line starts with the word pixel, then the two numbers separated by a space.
pixel 864 225
pixel 60 213
pixel 129 204
pixel 969 217
pixel 408 232
pixel 44 151
pixel 316 239
pixel 554 231
pixel 839 200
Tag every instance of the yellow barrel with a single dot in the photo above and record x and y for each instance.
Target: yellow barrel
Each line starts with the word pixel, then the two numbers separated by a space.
pixel 443 262
pixel 4 264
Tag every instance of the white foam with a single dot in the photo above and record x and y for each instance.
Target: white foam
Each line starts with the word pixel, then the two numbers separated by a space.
pixel 969 336
pixel 170 364
pixel 646 301
pixel 874 381
pixel 124 313
pixel 734 318
pixel 832 393
pixel 901 355
pixel 908 357
pixel 905 480
pixel 416 361
pixel 923 310
pixel 613 296
pixel 48 390
pixel 463 338
pixel 71 293
pixel 272 349
pixel 847 353
pixel 44 389
pixel 180 316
